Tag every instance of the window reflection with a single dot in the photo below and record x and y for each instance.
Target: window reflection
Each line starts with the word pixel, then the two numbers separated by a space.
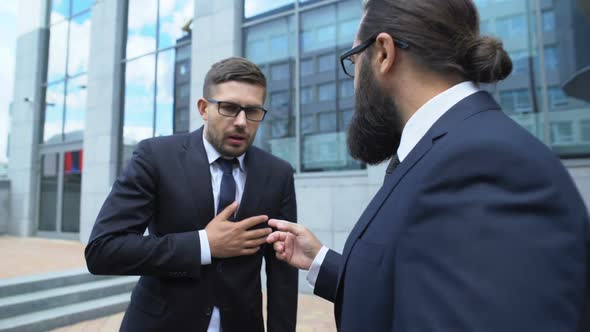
pixel 75 109
pixel 54 106
pixel 257 7
pixel 174 14
pixel 272 46
pixel 79 45
pixel 48 198
pixel 326 94
pixel 58 35
pixel 141 27
pixel 60 10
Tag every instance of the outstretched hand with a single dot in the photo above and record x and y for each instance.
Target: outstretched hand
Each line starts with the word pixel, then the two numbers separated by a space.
pixel 293 243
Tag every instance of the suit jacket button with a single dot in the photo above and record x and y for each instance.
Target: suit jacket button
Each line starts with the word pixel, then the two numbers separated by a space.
pixel 208 311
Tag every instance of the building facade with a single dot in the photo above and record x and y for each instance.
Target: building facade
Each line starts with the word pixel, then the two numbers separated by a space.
pixel 93 78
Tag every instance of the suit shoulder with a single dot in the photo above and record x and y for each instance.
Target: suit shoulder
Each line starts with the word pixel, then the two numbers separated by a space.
pixel 163 143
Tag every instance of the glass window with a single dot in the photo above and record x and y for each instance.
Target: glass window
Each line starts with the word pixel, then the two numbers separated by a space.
pixel 80 5
pixel 72 189
pixel 54 108
pixel 257 7
pixel 48 199
pixel 307 95
pixel 58 39
pixel 165 94
pixel 138 122
pixel 551 58
pixel 271 41
pixel 173 16
pixel 307 67
pixel 60 10
pixel 279 99
pixel 328 122
pixel 79 44
pixel 75 109
pixel 271 45
pixel 327 91
pixel 280 72
pixel 347 88
pixel 141 27
pixel 327 62
pixel 325 33
pixel 549 21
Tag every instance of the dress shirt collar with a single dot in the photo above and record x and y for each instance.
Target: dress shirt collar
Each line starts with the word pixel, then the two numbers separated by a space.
pixel 429 113
pixel 213 154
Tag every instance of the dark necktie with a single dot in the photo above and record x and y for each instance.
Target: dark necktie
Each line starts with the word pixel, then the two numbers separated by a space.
pixel 227 191
pixel 392 165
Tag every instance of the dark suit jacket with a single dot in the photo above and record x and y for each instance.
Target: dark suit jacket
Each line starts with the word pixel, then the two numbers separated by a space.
pixel 167 188
pixel 480 229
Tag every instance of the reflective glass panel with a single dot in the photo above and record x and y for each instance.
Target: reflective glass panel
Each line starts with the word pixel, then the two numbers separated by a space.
pixel 54 107
pixel 79 46
pixel 60 10
pixel 72 189
pixel 141 27
pixel 139 103
pixel 174 14
pixel 271 46
pixel 165 93
pixel 58 48
pixel 258 7
pixel 75 108
pixel 48 196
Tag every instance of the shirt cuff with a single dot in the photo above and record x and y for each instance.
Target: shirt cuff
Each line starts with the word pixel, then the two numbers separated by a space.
pixel 314 270
pixel 205 249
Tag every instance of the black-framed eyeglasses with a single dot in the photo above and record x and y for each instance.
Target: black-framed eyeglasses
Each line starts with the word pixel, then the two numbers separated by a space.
pixel 230 109
pixel 347 59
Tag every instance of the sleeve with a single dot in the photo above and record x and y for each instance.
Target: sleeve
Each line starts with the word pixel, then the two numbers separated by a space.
pixel 327 281
pixel 117 244
pixel 282 279
pixel 491 246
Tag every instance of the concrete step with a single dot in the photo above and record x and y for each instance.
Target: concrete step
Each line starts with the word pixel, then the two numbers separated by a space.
pixel 49 319
pixel 28 284
pixel 62 296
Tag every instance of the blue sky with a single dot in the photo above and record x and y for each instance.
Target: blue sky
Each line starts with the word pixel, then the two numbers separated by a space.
pixel 8 32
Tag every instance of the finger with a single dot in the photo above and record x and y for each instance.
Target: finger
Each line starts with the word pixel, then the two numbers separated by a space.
pixel 255 243
pixel 285 226
pixel 281 256
pixel 228 211
pixel 249 251
pixel 257 233
pixel 252 221
pixel 279 246
pixel 276 236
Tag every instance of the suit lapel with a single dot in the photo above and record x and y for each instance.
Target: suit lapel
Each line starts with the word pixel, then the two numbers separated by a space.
pixel 256 182
pixel 196 168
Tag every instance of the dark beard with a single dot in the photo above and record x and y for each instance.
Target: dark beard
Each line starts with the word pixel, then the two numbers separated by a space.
pixel 376 127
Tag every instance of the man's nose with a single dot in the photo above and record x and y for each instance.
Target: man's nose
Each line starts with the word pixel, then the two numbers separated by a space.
pixel 241 120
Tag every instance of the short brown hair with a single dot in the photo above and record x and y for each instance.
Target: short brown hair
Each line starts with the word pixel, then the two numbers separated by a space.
pixel 443 36
pixel 233 69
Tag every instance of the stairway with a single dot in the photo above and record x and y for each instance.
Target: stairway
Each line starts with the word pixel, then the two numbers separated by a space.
pixel 52 300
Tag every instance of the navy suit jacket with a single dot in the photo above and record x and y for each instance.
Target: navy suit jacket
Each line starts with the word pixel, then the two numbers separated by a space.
pixel 167 188
pixel 480 228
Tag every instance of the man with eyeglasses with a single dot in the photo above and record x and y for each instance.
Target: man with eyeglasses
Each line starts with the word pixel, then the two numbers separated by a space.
pixel 478 226
pixel 205 198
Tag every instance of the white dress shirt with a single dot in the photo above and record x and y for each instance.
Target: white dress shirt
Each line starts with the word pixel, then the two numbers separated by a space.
pixel 239 174
pixel 413 131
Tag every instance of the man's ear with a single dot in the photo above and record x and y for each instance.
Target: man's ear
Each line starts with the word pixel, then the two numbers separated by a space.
pixel 202 105
pixel 385 53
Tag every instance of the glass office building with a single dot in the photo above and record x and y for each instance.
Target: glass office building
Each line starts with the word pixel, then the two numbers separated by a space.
pixel 94 78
